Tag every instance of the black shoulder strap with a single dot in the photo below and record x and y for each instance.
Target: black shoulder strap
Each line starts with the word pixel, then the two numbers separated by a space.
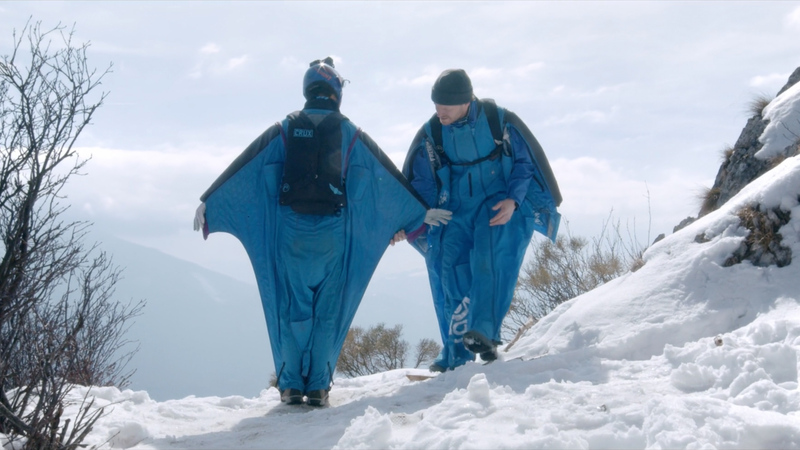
pixel 436 136
pixel 489 109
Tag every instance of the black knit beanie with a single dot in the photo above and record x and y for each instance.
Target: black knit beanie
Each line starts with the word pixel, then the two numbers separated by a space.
pixel 453 87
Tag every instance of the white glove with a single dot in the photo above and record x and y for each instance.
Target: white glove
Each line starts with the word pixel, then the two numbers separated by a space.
pixel 436 217
pixel 200 217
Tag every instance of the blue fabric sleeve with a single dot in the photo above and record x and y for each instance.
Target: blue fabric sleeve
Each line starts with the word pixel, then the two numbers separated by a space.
pixel 523 169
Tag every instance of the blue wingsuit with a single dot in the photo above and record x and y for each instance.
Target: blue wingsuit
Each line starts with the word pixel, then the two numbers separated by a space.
pixel 311 270
pixel 472 267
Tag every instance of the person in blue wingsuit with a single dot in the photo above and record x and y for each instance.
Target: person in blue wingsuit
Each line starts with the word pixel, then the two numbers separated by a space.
pixel 481 162
pixel 315 203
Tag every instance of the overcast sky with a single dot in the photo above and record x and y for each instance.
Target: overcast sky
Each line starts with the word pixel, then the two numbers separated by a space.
pixel 633 102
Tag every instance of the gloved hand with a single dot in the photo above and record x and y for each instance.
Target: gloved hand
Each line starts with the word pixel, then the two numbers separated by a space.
pixel 436 217
pixel 200 217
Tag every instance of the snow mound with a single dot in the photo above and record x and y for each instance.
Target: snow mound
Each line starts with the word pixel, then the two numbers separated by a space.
pixel 783 129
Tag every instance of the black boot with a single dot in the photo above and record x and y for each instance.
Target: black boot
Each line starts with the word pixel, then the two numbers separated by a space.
pixel 436 367
pixel 317 397
pixel 476 342
pixel 489 356
pixel 292 396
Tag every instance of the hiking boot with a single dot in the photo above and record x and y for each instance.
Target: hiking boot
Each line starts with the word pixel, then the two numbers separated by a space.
pixel 436 367
pixel 489 356
pixel 476 342
pixel 317 397
pixel 292 396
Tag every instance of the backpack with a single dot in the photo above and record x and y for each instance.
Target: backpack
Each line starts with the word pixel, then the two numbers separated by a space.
pixel 312 172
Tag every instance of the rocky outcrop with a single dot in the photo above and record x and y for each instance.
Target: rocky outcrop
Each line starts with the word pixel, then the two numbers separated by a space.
pixel 793 78
pixel 741 166
pixel 763 245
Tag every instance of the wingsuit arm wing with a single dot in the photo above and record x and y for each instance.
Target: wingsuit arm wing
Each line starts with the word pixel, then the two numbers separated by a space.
pixel 537 154
pixel 397 201
pixel 235 202
pixel 242 202
pixel 543 197
pixel 380 202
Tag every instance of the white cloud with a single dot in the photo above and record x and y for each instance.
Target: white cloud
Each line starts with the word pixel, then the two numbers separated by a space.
pixel 212 62
pixel 564 91
pixel 593 189
pixel 485 74
pixel 233 63
pixel 793 19
pixel 769 81
pixel 396 139
pixel 107 47
pixel 134 184
pixel 291 63
pixel 526 70
pixel 591 116
pixel 210 48
pixel 426 79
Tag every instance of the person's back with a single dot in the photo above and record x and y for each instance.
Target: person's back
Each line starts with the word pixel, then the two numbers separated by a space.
pixel 315 202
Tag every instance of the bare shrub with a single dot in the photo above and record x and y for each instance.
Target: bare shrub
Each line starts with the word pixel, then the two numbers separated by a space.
pixel 557 272
pixel 58 324
pixel 427 350
pixel 379 349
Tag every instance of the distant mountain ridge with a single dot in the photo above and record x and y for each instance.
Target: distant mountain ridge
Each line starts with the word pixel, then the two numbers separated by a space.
pixel 201 333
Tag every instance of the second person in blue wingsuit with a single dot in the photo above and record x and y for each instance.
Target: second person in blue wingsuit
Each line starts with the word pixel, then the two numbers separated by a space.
pixel 315 203
pixel 481 162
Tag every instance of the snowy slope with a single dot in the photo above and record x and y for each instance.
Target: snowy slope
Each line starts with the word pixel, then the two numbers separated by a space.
pixel 683 353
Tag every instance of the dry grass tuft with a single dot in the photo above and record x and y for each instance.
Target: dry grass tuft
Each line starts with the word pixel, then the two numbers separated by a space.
pixel 763 245
pixel 708 200
pixel 727 153
pixel 757 105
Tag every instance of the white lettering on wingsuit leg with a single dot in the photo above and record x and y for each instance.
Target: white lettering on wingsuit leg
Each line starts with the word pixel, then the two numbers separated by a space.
pixel 458 324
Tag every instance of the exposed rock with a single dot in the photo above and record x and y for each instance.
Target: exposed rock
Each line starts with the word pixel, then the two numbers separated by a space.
pixel 793 78
pixel 684 223
pixel 741 166
pixel 763 245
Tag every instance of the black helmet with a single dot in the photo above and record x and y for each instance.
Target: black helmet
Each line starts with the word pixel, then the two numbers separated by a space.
pixel 321 73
